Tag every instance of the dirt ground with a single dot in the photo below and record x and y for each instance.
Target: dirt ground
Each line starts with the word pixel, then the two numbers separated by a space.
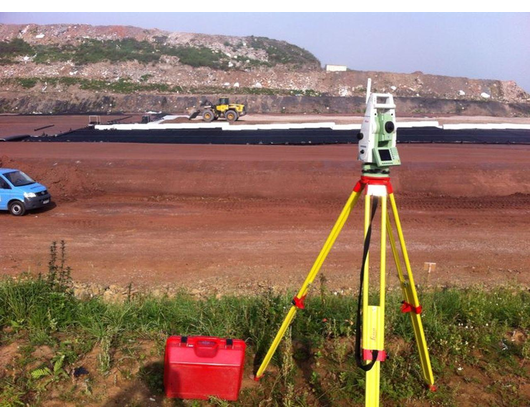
pixel 42 125
pixel 247 218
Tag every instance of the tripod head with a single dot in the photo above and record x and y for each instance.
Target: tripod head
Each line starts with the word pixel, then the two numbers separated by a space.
pixel 377 138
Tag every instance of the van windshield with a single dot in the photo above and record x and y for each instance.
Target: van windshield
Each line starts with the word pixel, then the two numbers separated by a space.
pixel 19 178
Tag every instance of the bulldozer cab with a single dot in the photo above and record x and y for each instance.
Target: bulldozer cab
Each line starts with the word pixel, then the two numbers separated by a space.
pixel 223 101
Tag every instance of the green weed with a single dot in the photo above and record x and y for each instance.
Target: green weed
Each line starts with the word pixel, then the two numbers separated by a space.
pixel 314 365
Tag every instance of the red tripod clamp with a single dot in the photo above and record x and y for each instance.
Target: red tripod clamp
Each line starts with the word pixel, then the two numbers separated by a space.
pixel 299 302
pixel 371 180
pixel 407 307
pixel 368 355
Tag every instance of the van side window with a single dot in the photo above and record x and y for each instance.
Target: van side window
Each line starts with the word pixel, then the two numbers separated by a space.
pixel 3 184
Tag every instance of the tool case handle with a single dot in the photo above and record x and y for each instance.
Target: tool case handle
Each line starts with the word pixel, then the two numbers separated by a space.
pixel 206 348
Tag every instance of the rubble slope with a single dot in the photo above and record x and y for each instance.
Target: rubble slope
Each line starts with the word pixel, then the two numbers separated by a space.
pixel 80 63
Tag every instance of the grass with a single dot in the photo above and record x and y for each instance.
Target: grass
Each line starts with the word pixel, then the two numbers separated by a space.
pixel 463 327
pixel 95 51
pixel 478 338
pixel 125 86
pixel 283 53
pixel 121 86
pixel 130 49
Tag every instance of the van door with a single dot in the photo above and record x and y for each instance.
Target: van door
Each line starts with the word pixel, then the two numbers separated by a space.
pixel 5 193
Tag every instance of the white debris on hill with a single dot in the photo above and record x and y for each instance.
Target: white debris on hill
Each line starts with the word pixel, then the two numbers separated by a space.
pixel 343 92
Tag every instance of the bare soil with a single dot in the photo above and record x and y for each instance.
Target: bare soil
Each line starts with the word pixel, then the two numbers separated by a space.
pixel 239 219
pixel 42 125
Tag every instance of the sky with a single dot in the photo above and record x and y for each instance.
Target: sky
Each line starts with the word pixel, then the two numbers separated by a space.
pixel 474 45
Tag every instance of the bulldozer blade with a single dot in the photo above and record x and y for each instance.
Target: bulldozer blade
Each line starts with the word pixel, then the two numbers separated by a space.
pixel 194 115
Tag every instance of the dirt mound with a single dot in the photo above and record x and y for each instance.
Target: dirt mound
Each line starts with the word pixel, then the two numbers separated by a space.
pixel 163 71
pixel 65 181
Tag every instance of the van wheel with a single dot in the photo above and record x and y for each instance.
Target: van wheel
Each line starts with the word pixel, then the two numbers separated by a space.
pixel 17 208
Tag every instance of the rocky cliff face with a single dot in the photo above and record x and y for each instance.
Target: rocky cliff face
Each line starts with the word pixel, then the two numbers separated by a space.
pixel 82 68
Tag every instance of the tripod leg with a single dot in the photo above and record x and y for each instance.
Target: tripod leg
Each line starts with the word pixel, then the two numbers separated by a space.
pixel 397 260
pixel 310 278
pixel 374 318
pixel 410 295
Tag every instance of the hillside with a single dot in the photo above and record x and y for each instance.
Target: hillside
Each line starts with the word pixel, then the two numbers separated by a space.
pixel 83 68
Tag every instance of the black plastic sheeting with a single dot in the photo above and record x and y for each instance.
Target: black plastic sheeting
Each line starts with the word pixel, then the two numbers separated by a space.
pixel 474 136
pixel 303 136
pixel 18 137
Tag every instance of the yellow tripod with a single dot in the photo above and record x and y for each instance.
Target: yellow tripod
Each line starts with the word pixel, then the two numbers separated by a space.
pixel 377 188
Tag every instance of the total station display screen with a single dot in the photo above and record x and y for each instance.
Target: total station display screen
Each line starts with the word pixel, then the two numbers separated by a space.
pixel 385 155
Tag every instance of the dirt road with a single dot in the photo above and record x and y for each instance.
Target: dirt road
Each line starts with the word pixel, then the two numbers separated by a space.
pixel 247 218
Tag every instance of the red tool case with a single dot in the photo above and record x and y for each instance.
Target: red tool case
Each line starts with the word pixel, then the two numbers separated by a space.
pixel 200 367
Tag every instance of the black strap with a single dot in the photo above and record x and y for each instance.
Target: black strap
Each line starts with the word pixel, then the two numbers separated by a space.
pixel 358 332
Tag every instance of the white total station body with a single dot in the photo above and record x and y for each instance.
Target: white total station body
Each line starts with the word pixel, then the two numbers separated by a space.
pixel 377 138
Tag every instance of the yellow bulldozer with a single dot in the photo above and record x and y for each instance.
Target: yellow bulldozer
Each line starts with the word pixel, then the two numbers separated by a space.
pixel 222 110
